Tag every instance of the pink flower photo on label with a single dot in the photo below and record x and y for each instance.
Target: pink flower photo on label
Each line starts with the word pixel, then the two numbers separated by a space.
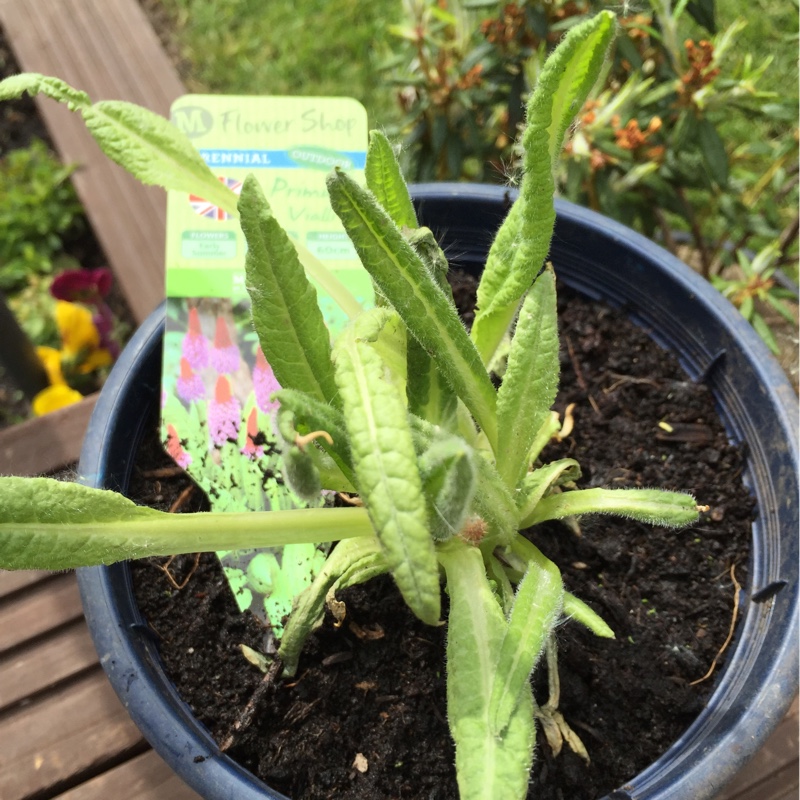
pixel 190 384
pixel 251 449
pixel 224 414
pixel 175 448
pixel 195 346
pixel 224 353
pixel 264 383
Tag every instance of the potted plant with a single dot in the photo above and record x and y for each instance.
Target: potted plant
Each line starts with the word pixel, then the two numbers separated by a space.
pixel 411 423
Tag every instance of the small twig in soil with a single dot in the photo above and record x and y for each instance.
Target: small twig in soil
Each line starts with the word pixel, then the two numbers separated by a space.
pixel 579 376
pixel 337 658
pixel 736 590
pixel 299 711
pixel 182 498
pixel 163 472
pixel 165 569
pixel 294 683
pixel 245 719
pixel 623 379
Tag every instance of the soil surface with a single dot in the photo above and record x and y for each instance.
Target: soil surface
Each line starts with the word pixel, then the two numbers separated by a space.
pixel 366 716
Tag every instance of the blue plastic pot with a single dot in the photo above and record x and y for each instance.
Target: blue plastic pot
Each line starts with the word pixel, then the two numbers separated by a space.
pixel 682 312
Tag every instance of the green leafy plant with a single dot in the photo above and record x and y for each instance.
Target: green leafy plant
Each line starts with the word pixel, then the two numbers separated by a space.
pixel 756 284
pixel 39 209
pixel 399 410
pixel 679 138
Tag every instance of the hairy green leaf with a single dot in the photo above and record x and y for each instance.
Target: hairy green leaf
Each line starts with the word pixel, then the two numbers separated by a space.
pixel 424 244
pixel 429 394
pixel 576 609
pixel 285 313
pixel 386 182
pixel 406 283
pixel 523 552
pixel 501 583
pixel 488 764
pixel 386 473
pixel 386 334
pixel 492 501
pixel 519 252
pixel 654 506
pixel 531 381
pixel 313 415
pixel 537 483
pixel 144 143
pixel 534 615
pixel 448 476
pixel 550 427
pixel 48 524
pixel 299 467
pixel 489 328
pixel 309 606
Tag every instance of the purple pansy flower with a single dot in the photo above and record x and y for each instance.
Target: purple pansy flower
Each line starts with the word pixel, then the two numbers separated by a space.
pixel 90 287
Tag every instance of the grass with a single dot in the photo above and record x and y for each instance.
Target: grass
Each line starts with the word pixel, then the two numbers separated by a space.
pixel 286 47
pixel 772 29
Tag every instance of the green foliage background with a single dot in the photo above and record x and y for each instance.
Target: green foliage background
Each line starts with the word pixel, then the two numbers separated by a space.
pixel 303 47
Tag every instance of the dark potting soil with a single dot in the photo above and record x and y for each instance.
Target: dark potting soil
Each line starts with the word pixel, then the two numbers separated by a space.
pixel 365 718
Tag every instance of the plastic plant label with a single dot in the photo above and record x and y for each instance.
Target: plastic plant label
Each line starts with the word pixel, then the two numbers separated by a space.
pixel 217 417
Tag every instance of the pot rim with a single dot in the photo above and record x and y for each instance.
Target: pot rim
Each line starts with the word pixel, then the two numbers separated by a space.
pixel 758 682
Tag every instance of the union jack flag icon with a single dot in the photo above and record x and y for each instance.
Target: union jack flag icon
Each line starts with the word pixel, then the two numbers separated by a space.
pixel 205 209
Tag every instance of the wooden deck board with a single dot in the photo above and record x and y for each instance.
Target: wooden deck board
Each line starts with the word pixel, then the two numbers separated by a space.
pixel 108 49
pixel 48 606
pixel 53 742
pixel 11 582
pixel 774 769
pixel 45 664
pixel 145 777
pixel 47 443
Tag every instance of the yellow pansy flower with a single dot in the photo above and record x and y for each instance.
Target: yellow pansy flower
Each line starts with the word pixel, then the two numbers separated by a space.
pixel 95 360
pixel 51 360
pixel 54 397
pixel 78 331
pixel 80 354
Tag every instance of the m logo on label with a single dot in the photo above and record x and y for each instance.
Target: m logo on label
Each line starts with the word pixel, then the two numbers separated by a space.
pixel 193 120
